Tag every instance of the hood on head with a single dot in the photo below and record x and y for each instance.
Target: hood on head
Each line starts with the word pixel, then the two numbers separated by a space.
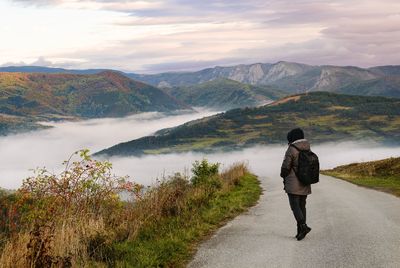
pixel 302 144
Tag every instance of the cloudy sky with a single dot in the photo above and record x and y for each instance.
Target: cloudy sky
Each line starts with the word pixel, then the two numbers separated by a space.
pixel 151 36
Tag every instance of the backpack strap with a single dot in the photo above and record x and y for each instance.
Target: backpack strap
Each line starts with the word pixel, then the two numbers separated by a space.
pixel 297 148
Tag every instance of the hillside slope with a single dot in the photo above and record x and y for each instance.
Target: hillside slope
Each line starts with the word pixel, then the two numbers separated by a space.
pixel 382 175
pixel 224 94
pixel 29 97
pixel 324 116
pixel 388 86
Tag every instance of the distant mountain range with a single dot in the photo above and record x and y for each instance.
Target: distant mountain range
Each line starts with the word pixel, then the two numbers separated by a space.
pixel 26 98
pixel 325 117
pixel 286 76
pixel 293 78
pixel 32 93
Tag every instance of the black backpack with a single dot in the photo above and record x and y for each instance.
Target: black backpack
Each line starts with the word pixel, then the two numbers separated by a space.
pixel 308 167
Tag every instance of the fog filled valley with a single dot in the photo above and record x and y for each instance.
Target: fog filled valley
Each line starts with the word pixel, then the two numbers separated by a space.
pixel 264 161
pixel 121 172
pixel 50 147
pixel 45 116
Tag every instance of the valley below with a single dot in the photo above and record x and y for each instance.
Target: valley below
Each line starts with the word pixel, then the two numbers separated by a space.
pixel 162 132
pixel 50 147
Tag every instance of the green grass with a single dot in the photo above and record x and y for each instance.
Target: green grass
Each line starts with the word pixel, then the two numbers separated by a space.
pixel 382 175
pixel 172 242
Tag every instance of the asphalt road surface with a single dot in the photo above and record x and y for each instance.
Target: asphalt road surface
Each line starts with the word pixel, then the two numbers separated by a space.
pixel 351 227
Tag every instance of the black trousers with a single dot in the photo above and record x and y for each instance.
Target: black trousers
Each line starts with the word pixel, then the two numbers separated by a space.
pixel 298 206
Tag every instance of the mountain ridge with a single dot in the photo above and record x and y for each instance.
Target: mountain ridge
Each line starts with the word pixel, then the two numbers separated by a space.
pixel 290 77
pixel 325 117
pixel 287 76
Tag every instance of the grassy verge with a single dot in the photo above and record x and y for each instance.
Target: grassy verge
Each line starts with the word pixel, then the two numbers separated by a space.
pixel 77 218
pixel 382 175
pixel 171 242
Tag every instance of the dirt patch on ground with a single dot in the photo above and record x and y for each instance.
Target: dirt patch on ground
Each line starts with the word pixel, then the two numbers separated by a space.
pixel 294 98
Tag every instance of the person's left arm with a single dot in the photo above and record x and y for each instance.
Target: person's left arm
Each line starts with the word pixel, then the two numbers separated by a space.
pixel 287 163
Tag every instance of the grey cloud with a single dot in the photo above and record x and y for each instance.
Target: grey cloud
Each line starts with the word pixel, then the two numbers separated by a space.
pixel 346 32
pixel 179 66
pixel 41 61
pixel 325 51
pixel 38 2
pixel 10 63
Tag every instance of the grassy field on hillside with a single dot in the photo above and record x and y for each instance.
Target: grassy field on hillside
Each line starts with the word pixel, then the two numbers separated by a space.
pixel 383 175
pixel 28 98
pixel 325 117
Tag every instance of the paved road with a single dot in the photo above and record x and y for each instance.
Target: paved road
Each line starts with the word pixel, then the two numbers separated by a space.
pixel 352 227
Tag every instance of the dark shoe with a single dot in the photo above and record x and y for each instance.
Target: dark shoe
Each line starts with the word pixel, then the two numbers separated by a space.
pixel 298 230
pixel 304 230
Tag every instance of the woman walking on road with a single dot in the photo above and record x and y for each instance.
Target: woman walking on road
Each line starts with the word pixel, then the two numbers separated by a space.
pixel 296 191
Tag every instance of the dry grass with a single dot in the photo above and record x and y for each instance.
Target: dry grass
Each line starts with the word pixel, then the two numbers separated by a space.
pixel 69 244
pixel 73 235
pixel 231 176
pixel 285 100
pixel 385 167
pixel 167 198
pixel 15 251
pixel 382 175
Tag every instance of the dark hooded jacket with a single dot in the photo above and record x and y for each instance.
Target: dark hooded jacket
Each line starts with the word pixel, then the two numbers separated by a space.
pixel 289 166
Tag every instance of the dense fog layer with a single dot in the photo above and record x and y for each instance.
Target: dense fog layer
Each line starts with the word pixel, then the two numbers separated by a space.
pixel 262 160
pixel 50 147
pixel 20 153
